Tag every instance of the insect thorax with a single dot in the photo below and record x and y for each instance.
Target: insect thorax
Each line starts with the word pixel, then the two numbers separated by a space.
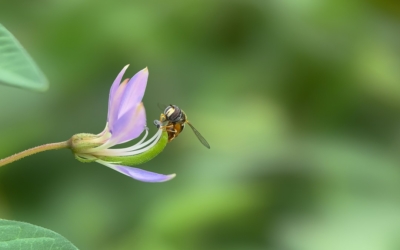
pixel 173 113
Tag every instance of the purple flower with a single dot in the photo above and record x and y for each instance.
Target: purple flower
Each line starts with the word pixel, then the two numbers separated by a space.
pixel 126 121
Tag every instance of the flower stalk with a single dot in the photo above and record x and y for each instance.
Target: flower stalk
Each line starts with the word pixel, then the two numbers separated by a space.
pixel 35 150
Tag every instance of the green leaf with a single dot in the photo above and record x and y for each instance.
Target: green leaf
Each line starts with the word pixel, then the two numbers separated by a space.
pixel 17 68
pixel 16 235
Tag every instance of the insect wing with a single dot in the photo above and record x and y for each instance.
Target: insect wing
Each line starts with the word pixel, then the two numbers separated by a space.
pixel 199 136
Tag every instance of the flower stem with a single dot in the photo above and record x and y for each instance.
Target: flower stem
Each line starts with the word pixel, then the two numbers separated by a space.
pixel 31 151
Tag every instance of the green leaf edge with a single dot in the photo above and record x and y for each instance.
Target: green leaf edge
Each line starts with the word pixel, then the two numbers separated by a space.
pixel 18 80
pixel 22 225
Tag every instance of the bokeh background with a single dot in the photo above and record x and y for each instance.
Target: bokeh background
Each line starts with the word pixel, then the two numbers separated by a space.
pixel 299 100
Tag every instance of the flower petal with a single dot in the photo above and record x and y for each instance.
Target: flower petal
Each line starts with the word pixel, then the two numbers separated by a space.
pixel 113 109
pixel 129 126
pixel 138 174
pixel 143 175
pixel 114 88
pixel 134 92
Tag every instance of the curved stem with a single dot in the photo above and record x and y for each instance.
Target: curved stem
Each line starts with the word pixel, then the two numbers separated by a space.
pixel 31 151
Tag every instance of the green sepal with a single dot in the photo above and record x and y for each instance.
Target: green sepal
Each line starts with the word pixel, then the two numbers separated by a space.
pixel 139 158
pixel 85 158
pixel 83 141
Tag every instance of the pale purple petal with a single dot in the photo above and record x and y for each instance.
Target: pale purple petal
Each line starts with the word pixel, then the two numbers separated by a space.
pixel 134 92
pixel 113 109
pixel 114 88
pixel 143 175
pixel 138 174
pixel 130 125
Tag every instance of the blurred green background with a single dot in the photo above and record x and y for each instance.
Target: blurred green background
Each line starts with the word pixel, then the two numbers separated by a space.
pixel 299 100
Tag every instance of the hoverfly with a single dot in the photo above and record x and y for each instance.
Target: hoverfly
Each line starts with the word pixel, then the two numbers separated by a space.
pixel 174 119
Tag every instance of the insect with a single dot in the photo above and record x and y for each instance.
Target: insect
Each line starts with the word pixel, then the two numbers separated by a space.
pixel 174 120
